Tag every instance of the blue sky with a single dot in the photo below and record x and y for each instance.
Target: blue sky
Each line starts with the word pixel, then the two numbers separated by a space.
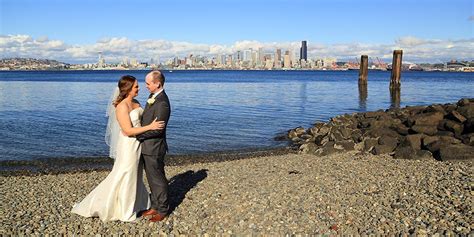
pixel 226 22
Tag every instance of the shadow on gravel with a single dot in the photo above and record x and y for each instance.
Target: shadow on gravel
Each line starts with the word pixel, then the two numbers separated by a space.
pixel 181 184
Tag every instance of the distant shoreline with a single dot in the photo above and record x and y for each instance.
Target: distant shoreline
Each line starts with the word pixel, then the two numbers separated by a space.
pixel 214 69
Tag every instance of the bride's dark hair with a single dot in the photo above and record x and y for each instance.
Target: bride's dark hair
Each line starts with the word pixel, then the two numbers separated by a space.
pixel 125 85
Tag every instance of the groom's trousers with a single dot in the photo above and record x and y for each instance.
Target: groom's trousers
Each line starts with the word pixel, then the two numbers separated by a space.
pixel 155 173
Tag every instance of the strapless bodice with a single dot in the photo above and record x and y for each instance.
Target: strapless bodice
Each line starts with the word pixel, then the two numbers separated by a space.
pixel 135 116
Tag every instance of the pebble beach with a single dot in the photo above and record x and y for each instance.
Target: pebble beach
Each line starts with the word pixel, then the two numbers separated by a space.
pixel 343 193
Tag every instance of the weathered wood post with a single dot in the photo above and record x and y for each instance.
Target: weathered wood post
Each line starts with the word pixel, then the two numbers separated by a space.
pixel 395 97
pixel 364 64
pixel 363 97
pixel 396 69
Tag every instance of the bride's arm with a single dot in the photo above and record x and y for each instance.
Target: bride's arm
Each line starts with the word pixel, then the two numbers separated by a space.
pixel 123 119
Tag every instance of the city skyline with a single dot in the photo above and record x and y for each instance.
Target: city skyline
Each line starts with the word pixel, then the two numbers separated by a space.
pixel 75 31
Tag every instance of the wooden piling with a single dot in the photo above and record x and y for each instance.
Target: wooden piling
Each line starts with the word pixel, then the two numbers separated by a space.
pixel 395 97
pixel 396 69
pixel 364 64
pixel 363 97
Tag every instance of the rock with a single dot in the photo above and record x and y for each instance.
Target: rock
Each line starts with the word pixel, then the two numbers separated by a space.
pixel 312 131
pixel 449 140
pixel 374 114
pixel 455 127
pixel 469 126
pixel 435 108
pixel 345 132
pixel 308 148
pixel 434 146
pixel 429 139
pixel 467 111
pixel 431 118
pixel 463 102
pixel 346 145
pixel 327 149
pixel 292 134
pixel 356 136
pixel 381 131
pixel 413 110
pixel 369 143
pixel 306 136
pixel 319 140
pixel 389 141
pixel 413 141
pixel 424 154
pixel 400 129
pixel 374 124
pixel 455 152
pixel 324 130
pixel 445 133
pixel 405 152
pixel 425 129
pixel 456 116
pixel 449 107
pixel 382 149
pixel 335 135
pixel 300 131
pixel 468 139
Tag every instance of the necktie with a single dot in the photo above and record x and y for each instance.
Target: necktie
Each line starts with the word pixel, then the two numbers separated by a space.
pixel 151 95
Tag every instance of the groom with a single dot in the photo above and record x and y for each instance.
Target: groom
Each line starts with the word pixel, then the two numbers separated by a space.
pixel 154 146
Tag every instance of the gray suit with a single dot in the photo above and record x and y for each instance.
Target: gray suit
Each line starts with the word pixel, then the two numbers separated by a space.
pixel 154 148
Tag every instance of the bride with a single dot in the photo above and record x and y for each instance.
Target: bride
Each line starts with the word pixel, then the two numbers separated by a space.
pixel 122 194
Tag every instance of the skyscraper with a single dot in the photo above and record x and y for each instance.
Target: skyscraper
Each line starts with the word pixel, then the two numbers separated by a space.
pixel 278 55
pixel 304 51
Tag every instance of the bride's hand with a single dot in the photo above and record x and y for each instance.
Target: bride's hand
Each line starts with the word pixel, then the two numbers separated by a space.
pixel 157 125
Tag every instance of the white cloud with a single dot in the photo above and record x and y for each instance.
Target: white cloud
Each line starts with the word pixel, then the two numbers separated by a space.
pixel 116 48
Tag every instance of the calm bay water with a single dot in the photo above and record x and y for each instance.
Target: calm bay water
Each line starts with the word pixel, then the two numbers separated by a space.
pixel 47 114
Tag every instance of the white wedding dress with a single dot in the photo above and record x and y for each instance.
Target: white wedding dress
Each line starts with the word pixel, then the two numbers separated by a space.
pixel 122 194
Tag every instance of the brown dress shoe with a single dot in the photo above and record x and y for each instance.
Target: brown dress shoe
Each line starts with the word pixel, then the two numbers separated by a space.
pixel 158 217
pixel 149 212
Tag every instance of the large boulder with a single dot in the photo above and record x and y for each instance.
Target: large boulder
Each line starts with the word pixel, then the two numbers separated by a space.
pixel 406 152
pixel 400 129
pixel 430 118
pixel 435 108
pixel 413 141
pixel 467 111
pixel 455 152
pixel 425 129
pixel 455 127
pixel 378 132
pixel 456 116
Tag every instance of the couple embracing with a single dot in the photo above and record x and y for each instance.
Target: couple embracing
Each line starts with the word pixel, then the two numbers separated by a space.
pixel 137 140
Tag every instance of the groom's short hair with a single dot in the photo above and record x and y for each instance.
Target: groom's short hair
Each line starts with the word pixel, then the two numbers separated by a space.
pixel 158 76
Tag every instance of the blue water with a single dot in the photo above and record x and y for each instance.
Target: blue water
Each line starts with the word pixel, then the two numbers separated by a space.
pixel 47 114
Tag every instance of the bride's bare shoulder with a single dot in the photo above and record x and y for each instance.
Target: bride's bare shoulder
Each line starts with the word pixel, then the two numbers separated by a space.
pixel 122 106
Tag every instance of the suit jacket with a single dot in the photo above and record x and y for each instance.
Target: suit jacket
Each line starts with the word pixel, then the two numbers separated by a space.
pixel 154 141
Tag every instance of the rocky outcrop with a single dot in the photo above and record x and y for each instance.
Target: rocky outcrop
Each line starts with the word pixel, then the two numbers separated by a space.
pixel 444 132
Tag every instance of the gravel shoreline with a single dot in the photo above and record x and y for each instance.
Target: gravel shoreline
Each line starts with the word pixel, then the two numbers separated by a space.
pixel 87 164
pixel 347 193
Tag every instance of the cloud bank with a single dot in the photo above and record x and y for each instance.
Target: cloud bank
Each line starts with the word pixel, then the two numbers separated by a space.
pixel 116 48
